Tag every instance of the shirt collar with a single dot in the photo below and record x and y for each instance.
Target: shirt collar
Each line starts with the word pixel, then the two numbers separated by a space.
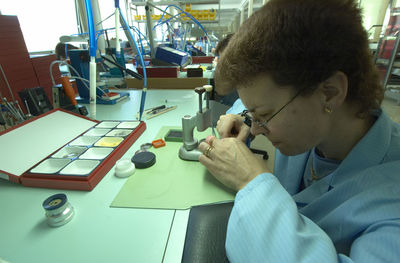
pixel 369 151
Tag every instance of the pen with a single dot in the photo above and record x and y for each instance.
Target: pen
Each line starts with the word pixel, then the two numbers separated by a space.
pixel 156 108
pixel 159 112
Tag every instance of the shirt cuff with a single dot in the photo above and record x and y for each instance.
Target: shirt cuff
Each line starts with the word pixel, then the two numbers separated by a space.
pixel 258 180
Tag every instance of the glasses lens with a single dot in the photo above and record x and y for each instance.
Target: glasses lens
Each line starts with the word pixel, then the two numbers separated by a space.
pixel 262 124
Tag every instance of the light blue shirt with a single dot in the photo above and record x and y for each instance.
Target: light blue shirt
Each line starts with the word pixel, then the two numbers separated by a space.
pixel 350 215
pixel 236 108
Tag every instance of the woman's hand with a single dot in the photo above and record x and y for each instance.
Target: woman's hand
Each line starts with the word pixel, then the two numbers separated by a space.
pixel 232 125
pixel 230 161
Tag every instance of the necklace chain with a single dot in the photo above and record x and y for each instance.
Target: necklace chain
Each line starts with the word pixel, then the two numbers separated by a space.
pixel 314 176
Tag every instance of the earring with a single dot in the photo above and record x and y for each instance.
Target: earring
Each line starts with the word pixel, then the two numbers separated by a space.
pixel 328 109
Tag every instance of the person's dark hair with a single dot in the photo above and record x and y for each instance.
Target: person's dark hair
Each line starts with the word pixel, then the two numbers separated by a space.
pixel 60 50
pixel 302 43
pixel 222 44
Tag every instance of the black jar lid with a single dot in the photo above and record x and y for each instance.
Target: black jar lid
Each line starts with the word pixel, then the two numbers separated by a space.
pixel 144 159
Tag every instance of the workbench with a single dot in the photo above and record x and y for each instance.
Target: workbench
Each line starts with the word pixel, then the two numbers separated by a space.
pixel 98 233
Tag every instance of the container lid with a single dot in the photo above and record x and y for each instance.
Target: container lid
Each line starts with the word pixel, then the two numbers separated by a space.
pixel 144 159
pixel 36 139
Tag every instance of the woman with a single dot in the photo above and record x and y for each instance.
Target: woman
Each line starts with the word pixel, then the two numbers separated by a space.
pixel 304 72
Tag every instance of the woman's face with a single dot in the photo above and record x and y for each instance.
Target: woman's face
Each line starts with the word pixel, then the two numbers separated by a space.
pixel 298 127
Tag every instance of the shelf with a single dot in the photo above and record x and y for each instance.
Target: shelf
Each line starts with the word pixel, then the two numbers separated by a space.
pixel 188 21
pixel 385 62
pixel 389 37
pixel 193 2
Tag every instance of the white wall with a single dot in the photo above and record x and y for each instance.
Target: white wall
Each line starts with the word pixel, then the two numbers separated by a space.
pixel 42 22
pixel 373 12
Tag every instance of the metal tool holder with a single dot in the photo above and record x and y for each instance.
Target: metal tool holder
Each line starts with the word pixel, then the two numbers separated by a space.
pixel 202 120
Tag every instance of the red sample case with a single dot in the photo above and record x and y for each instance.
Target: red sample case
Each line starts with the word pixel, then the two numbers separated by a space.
pixel 26 147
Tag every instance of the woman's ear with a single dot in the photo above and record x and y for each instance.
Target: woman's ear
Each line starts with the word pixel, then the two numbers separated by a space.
pixel 335 89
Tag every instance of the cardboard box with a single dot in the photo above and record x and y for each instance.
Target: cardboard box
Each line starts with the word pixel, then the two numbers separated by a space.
pixel 37 152
pixel 167 83
pixel 160 71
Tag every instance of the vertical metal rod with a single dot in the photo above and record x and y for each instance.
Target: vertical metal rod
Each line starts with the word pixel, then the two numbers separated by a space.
pixel 27 108
pixel 378 47
pixel 21 113
pixel 16 113
pixel 391 61
pixel 81 10
pixel 101 43
pixel 10 108
pixel 170 34
pixel 250 8
pixel 186 27
pixel 8 84
pixel 150 32
pixel 128 13
pixel 200 103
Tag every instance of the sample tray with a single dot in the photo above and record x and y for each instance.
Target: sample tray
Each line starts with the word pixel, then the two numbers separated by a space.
pixel 63 150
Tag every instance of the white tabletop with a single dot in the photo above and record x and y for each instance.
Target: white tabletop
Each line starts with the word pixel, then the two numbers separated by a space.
pixel 98 233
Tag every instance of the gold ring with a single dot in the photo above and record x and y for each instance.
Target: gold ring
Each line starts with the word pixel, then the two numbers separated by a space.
pixel 211 141
pixel 207 151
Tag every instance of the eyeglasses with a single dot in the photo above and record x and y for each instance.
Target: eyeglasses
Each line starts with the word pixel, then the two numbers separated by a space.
pixel 248 119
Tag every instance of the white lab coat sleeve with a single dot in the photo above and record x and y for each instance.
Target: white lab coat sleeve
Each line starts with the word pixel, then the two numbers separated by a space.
pixel 265 226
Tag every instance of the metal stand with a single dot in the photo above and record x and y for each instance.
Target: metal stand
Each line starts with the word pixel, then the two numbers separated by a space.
pixel 202 121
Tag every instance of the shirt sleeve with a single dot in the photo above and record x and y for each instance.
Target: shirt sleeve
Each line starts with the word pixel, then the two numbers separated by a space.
pixel 265 226
pixel 236 108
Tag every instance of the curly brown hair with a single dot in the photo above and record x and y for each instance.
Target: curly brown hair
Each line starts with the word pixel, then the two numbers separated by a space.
pixel 302 43
pixel 222 44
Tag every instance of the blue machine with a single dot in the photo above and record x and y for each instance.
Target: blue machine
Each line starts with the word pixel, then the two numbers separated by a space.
pixel 171 55
pixel 80 62
pixel 113 71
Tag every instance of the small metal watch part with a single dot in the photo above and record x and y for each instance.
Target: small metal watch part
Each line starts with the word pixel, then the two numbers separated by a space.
pixel 146 146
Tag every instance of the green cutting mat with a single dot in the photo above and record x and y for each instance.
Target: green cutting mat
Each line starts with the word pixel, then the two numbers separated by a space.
pixel 172 183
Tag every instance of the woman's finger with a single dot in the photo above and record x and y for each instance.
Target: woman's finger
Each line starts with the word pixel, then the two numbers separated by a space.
pixel 210 139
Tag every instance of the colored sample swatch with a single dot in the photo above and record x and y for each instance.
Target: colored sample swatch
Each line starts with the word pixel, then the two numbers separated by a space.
pixel 109 141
